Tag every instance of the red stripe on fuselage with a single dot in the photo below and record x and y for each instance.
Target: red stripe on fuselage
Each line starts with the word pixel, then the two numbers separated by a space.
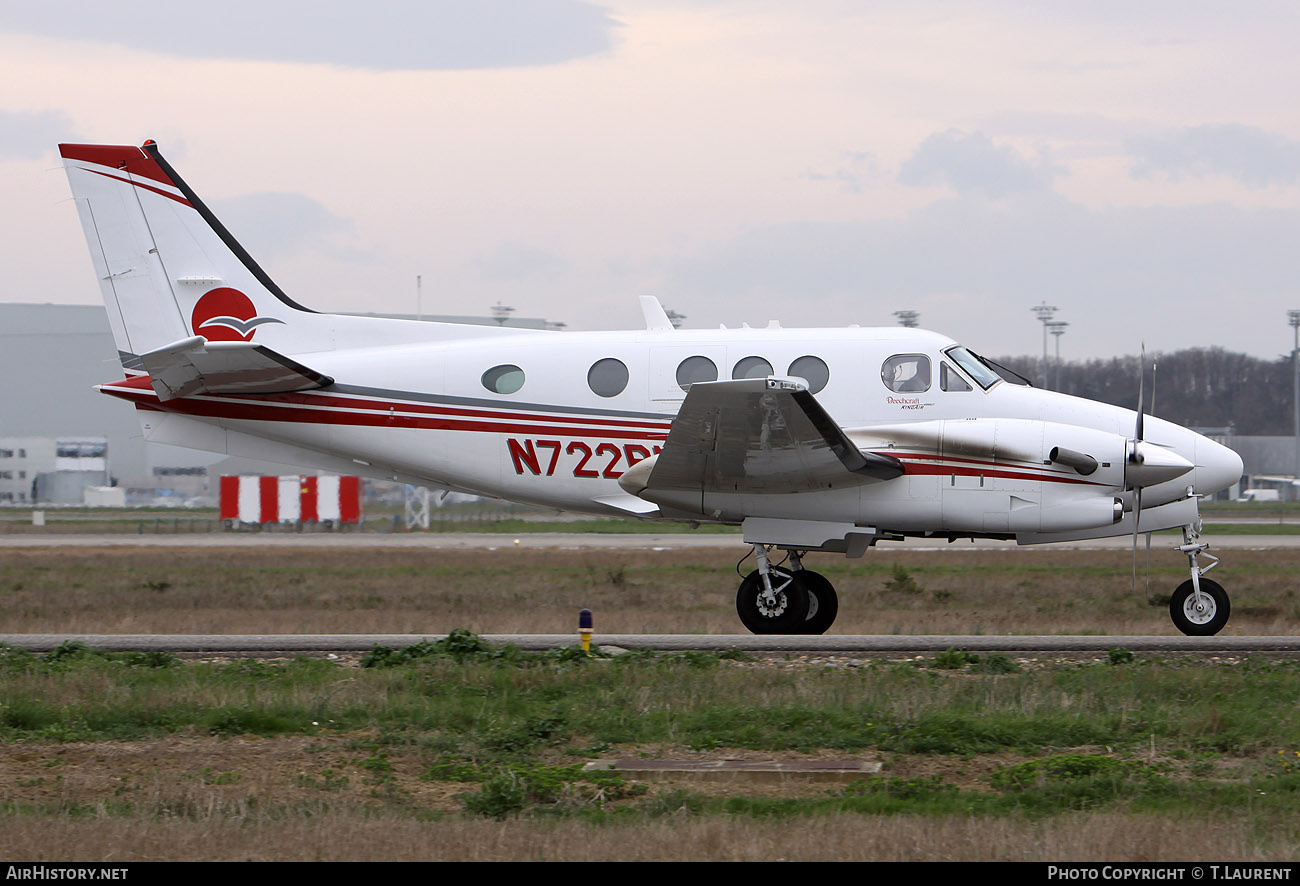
pixel 349 402
pixel 314 400
pixel 922 468
pixel 309 408
pixel 274 409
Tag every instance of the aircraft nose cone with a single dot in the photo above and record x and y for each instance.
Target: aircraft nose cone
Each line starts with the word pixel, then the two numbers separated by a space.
pixel 1217 466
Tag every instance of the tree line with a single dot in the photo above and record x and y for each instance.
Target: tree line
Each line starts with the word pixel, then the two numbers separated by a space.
pixel 1195 387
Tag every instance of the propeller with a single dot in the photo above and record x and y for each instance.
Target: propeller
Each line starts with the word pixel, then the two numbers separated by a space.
pixel 1155 363
pixel 1140 473
pixel 1136 458
pixel 1149 463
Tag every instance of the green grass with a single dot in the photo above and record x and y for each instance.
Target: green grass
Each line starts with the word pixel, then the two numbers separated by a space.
pixel 504 733
pixel 501 701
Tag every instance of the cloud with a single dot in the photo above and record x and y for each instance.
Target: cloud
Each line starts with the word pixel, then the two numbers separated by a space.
pixel 973 164
pixel 278 225
pixel 1252 156
pixel 854 171
pixel 382 35
pixel 30 135
pixel 1059 125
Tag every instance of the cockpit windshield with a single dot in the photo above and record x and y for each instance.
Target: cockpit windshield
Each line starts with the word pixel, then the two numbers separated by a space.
pixel 975 366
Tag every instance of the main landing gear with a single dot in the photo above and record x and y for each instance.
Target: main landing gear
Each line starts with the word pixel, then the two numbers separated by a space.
pixel 779 600
pixel 1199 606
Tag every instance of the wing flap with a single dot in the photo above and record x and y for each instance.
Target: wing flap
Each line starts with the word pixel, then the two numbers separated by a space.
pixel 764 435
pixel 197 366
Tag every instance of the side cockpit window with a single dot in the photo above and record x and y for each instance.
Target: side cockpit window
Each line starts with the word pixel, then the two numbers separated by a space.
pixel 951 380
pixel 906 373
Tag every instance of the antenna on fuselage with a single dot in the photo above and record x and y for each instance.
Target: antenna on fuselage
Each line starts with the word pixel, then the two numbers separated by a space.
pixel 656 318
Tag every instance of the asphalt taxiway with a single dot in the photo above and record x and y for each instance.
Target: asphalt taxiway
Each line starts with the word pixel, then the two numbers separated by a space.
pixel 575 541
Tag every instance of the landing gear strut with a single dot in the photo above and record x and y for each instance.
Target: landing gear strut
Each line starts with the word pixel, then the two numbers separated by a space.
pixel 776 600
pixel 1199 607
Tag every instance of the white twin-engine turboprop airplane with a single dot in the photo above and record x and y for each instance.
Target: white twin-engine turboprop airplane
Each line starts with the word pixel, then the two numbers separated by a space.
pixel 727 426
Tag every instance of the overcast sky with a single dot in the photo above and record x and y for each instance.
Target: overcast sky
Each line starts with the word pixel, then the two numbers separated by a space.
pixel 821 162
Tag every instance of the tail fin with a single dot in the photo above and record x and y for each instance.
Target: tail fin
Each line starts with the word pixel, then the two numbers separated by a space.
pixel 167 268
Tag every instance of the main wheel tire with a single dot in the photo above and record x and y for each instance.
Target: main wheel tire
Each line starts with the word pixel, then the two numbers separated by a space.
pixel 823 602
pixel 1206 621
pixel 785 614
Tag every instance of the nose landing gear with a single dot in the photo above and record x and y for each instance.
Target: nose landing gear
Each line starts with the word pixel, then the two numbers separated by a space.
pixel 1199 606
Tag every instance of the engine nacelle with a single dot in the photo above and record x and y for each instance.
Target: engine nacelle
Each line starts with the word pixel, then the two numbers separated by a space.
pixel 1001 476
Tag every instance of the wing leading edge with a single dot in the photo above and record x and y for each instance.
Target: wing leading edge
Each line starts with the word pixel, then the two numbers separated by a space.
pixel 753 436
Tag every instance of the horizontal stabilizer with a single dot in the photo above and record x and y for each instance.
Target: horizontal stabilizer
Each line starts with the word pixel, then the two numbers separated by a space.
pixel 198 366
pixel 762 435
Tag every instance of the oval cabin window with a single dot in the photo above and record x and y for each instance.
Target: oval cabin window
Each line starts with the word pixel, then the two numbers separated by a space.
pixel 812 370
pixel 695 369
pixel 752 367
pixel 504 379
pixel 607 377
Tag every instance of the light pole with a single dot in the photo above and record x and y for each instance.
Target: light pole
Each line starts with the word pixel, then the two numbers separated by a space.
pixel 909 319
pixel 1044 312
pixel 1057 328
pixel 1293 317
pixel 501 313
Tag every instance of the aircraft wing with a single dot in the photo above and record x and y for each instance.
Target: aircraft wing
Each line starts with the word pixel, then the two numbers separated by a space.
pixel 198 366
pixel 761 435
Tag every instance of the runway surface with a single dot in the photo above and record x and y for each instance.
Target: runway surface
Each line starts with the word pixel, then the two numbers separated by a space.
pixel 575 541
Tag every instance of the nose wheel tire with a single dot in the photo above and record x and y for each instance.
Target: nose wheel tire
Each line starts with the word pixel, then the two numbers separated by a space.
pixel 1200 618
pixel 783 611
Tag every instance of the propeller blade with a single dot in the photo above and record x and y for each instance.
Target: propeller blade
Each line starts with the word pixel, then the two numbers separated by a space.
pixel 1148 564
pixel 1137 517
pixel 1135 459
pixel 1155 364
pixel 1141 384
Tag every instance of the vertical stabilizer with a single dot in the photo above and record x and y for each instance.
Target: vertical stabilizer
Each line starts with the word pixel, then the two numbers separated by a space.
pixel 167 268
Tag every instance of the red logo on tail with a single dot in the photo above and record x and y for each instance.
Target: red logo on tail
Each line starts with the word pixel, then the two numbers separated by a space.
pixel 226 314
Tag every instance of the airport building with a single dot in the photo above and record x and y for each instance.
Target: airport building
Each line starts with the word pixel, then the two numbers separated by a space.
pixel 53 470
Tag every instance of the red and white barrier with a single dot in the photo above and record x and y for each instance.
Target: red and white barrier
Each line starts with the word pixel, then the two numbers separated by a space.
pixel 292 499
